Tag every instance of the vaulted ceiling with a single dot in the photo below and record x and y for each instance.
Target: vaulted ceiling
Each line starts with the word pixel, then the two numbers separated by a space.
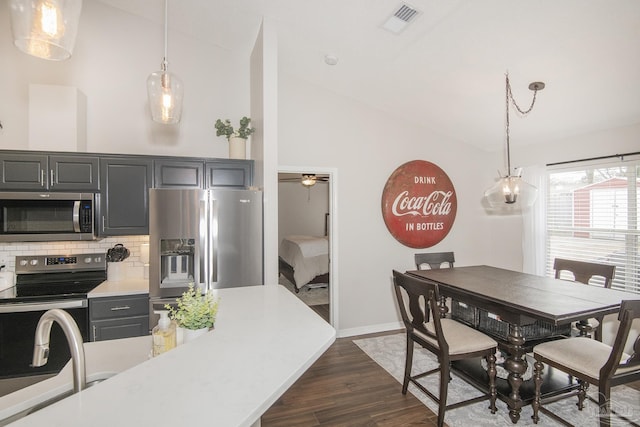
pixel 446 70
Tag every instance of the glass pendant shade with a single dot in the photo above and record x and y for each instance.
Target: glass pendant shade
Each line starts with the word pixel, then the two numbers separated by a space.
pixel 165 93
pixel 45 28
pixel 509 190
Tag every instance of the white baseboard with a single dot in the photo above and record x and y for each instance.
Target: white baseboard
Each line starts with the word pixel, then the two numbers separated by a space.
pixel 370 329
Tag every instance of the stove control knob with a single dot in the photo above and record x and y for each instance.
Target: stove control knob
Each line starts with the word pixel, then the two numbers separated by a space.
pixel 33 262
pixel 23 262
pixel 87 260
pixel 98 259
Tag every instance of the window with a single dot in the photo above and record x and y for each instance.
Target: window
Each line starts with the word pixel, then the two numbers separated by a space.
pixel 592 215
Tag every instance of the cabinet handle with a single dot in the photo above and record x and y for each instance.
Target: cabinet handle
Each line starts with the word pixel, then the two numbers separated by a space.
pixel 122 307
pixel 42 177
pixel 52 180
pixel 94 333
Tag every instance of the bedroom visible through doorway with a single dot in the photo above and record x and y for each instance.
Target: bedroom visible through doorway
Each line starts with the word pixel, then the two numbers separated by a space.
pixel 304 210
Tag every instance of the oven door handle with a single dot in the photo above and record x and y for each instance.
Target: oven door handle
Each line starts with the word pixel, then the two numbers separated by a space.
pixel 43 306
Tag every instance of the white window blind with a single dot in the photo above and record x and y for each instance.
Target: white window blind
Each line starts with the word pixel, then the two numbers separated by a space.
pixel 592 215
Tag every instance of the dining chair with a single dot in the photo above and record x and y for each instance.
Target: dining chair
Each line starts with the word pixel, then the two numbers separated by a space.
pixel 591 362
pixel 434 260
pixel 583 272
pixel 447 339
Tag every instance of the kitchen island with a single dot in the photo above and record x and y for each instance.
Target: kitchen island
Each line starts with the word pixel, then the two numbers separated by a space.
pixel 264 339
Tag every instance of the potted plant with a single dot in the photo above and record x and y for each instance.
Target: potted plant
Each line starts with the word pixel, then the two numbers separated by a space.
pixel 237 138
pixel 195 312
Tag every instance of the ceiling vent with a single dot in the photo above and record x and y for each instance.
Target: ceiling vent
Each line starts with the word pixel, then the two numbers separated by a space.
pixel 401 18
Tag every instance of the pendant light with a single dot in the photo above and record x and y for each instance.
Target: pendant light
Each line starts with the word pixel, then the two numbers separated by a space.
pixel 165 90
pixel 45 28
pixel 512 189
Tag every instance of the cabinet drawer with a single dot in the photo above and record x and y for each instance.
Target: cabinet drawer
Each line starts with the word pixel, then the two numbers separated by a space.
pixel 116 307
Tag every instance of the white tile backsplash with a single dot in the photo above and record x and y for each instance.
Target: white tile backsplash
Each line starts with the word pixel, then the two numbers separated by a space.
pixel 134 266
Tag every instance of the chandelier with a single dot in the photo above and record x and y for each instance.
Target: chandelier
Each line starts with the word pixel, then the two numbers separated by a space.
pixel 165 90
pixel 511 188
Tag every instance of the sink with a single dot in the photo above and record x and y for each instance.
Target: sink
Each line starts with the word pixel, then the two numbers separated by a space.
pixel 48 402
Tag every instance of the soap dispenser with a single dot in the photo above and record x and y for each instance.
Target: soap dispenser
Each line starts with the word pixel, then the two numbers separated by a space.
pixel 164 334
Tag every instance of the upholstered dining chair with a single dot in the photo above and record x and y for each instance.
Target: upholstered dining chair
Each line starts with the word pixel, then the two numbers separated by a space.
pixel 447 339
pixel 434 260
pixel 591 362
pixel 583 272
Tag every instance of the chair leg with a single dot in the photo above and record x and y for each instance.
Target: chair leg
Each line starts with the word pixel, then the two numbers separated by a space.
pixel 444 388
pixel 538 368
pixel 604 404
pixel 582 393
pixel 407 364
pixel 491 371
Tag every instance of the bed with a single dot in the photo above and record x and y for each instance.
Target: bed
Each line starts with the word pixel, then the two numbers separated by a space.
pixel 304 260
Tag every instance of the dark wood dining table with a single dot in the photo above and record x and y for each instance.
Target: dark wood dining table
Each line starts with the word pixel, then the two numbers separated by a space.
pixel 521 299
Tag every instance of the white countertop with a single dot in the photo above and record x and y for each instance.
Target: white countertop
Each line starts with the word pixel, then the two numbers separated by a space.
pixel 264 339
pixel 121 287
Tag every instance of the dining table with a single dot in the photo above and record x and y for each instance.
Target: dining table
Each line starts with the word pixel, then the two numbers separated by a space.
pixel 521 304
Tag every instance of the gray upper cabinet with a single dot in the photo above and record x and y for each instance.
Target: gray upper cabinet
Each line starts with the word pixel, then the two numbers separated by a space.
pixel 71 173
pixel 229 173
pixel 124 199
pixel 38 172
pixel 169 173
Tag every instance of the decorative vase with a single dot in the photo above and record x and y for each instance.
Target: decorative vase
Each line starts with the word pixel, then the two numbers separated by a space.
pixel 192 334
pixel 237 148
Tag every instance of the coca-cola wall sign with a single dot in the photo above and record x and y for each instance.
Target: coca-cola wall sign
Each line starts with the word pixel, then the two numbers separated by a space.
pixel 419 204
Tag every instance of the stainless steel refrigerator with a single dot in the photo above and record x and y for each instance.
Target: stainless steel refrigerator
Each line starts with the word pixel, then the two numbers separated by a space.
pixel 212 238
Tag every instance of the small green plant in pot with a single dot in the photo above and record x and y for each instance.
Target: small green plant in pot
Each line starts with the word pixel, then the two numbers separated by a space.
pixel 224 128
pixel 194 310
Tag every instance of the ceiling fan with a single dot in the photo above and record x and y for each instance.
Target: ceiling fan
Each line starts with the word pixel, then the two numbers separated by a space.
pixel 306 179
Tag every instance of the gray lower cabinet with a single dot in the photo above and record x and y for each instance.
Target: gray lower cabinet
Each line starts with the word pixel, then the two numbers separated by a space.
pixel 40 172
pixel 124 198
pixel 119 317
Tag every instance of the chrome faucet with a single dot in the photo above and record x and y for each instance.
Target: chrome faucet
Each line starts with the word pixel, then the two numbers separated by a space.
pixel 74 338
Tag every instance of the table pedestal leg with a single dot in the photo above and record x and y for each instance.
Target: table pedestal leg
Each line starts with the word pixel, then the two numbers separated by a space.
pixel 443 306
pixel 585 328
pixel 516 365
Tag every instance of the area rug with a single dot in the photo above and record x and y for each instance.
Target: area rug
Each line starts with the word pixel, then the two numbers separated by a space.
pixel 309 294
pixel 389 352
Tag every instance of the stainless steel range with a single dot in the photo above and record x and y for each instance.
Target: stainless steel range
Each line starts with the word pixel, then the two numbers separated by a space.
pixel 44 282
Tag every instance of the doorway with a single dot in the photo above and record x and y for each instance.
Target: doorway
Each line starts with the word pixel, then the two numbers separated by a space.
pixel 306 237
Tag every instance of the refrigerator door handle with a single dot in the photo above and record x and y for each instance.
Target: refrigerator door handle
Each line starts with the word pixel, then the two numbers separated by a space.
pixel 213 240
pixel 203 280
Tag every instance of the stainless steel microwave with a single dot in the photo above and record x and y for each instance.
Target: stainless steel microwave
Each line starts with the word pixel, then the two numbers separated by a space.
pixel 33 217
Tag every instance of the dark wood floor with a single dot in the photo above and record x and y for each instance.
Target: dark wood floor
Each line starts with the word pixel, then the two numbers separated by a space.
pixel 322 310
pixel 347 388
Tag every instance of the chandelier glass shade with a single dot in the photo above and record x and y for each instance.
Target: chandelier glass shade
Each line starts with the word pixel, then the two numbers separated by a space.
pixel 45 28
pixel 164 89
pixel 511 189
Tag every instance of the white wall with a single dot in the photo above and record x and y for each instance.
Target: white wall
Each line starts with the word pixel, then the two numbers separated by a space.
pixel 302 210
pixel 115 53
pixel 366 146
